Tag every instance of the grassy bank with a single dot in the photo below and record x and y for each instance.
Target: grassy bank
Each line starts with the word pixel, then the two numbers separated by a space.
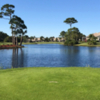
pixel 86 44
pixel 5 43
pixel 81 44
pixel 71 83
pixel 50 42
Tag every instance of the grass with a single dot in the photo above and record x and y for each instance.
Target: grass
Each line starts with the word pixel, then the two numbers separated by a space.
pixel 5 43
pixel 50 42
pixel 86 44
pixel 81 44
pixel 71 83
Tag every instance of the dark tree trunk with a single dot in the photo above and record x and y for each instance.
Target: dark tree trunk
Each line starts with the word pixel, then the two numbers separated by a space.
pixel 16 41
pixel 21 41
pixel 12 37
pixel 12 33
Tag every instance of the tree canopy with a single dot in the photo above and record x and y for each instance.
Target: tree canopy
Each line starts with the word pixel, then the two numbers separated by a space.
pixel 41 38
pixel 62 34
pixel 70 21
pixel 18 26
pixel 92 37
pixel 2 36
pixel 7 10
pixel 73 34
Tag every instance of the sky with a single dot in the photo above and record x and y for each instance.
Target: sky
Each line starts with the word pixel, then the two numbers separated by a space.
pixel 46 17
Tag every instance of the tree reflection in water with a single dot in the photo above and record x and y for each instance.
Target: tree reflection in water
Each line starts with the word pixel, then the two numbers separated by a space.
pixel 17 58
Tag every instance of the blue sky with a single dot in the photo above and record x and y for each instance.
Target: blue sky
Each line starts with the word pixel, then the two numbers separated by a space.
pixel 45 17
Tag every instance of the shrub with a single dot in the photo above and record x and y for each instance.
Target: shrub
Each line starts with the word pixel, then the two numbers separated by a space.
pixel 88 40
pixel 93 42
pixel 70 42
pixel 97 40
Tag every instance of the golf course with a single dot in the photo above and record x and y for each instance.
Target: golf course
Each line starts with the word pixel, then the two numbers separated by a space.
pixel 70 83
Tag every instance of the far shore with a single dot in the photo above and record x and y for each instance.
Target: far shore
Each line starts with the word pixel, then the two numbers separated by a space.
pixel 80 44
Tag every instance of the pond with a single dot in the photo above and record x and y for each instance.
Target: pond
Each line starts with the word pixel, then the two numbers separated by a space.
pixel 50 55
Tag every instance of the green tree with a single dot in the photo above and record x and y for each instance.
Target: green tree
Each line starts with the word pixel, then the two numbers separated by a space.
pixel 92 40
pixel 27 36
pixel 23 32
pixel 2 36
pixel 47 39
pixel 18 26
pixel 8 39
pixel 52 38
pixel 73 34
pixel 62 34
pixel 57 40
pixel 92 37
pixel 1 15
pixel 60 38
pixel 32 37
pixel 41 38
pixel 70 21
pixel 7 11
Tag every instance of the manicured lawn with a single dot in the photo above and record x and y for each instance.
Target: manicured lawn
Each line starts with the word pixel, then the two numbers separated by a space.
pixel 50 42
pixel 86 44
pixel 81 44
pixel 71 83
pixel 5 43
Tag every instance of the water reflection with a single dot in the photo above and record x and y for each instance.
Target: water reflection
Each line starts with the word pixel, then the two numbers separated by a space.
pixel 70 49
pixel 18 58
pixel 50 55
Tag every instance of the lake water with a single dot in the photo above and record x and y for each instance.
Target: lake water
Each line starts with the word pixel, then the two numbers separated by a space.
pixel 50 55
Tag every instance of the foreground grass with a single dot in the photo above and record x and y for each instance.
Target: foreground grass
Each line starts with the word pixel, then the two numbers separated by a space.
pixel 50 84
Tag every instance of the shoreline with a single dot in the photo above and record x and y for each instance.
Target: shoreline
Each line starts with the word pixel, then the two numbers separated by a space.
pixel 10 46
pixel 27 43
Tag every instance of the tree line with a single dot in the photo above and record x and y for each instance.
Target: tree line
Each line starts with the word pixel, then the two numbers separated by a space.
pixel 4 37
pixel 45 39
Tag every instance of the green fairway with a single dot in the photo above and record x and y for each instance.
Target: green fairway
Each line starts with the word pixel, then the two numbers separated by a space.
pixel 71 83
